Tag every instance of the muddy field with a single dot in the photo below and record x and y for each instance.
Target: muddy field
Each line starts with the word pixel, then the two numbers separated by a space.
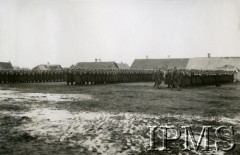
pixel 52 118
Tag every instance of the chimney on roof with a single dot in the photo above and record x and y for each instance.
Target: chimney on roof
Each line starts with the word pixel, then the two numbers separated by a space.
pixel 209 55
pixel 168 56
pixel 95 59
pixel 146 56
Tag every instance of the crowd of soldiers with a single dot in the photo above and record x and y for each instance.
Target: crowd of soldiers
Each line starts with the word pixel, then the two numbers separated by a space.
pixel 173 78
pixel 107 76
pixel 31 76
pixel 76 76
pixel 178 78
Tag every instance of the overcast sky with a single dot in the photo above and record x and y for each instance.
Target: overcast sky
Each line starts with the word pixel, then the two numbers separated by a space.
pixel 69 31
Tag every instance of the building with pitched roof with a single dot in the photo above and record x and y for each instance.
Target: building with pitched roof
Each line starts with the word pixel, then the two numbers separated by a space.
pixel 46 67
pixel 5 65
pixel 199 63
pixel 159 63
pixel 100 65
pixel 212 63
pixel 123 65
pixel 217 63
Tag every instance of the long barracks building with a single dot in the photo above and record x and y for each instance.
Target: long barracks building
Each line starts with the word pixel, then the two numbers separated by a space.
pixel 200 63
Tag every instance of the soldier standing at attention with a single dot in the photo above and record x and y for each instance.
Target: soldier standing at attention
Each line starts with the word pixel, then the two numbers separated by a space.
pixel 76 77
pixel 160 76
pixel 155 78
pixel 176 78
pixel 1 76
pixel 68 77
pixel 167 78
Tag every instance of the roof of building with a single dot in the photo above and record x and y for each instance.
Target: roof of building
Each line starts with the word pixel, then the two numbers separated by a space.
pixel 229 68
pixel 16 68
pixel 25 68
pixel 159 63
pixel 213 63
pixel 96 65
pixel 123 66
pixel 55 67
pixel 48 67
pixel 6 65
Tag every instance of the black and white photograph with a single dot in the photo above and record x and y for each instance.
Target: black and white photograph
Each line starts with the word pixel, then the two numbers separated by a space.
pixel 119 77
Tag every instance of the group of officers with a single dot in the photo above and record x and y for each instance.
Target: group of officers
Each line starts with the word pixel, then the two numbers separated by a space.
pixel 178 78
pixel 173 78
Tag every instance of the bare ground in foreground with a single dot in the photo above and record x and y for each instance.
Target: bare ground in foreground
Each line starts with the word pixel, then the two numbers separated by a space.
pixel 52 118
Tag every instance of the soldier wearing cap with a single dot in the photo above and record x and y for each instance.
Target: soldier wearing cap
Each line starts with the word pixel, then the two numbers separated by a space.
pixel 80 76
pixel 1 76
pixel 69 77
pixel 176 78
pixel 167 78
pixel 76 76
pixel 155 78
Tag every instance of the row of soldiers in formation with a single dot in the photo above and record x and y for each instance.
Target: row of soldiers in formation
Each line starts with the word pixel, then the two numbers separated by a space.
pixel 76 76
pixel 172 77
pixel 107 76
pixel 185 78
pixel 31 76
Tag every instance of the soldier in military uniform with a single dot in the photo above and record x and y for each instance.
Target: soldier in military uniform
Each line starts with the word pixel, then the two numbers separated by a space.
pixel 167 78
pixel 76 76
pixel 176 78
pixel 155 78
pixel 1 76
pixel 69 77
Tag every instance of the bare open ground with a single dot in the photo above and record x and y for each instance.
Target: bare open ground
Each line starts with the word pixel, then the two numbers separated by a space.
pixel 108 119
